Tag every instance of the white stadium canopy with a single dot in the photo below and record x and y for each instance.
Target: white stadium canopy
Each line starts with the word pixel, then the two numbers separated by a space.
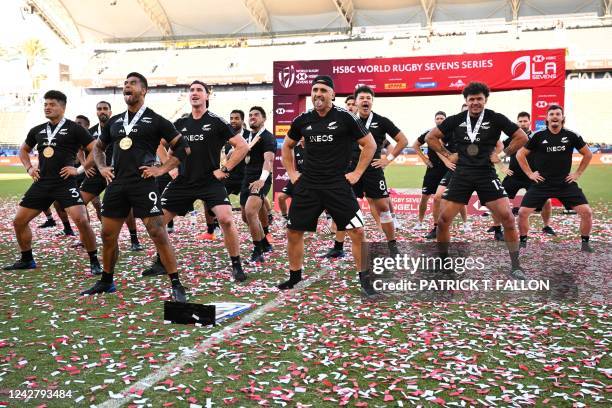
pixel 94 21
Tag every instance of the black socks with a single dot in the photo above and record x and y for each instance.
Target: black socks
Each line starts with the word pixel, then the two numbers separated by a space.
pixel 210 228
pixel 107 277
pixel 93 256
pixel 134 237
pixel 339 245
pixel 27 255
pixel 174 279
pixel 294 278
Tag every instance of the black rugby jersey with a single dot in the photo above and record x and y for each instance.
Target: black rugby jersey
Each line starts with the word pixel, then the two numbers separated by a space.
pixel 552 153
pixel 206 137
pixel 150 129
pixel 65 145
pixel 328 144
pixel 493 124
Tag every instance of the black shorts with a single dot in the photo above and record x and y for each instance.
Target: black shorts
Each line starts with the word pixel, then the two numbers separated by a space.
pixel 94 185
pixel 339 202
pixel 513 184
pixel 140 195
pixel 43 193
pixel 288 189
pixel 446 179
pixel 465 182
pixel 233 186
pixel 372 184
pixel 569 194
pixel 162 181
pixel 245 192
pixel 432 178
pixel 180 195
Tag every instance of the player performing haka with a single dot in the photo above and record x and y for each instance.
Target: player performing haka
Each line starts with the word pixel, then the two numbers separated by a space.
pixel 93 186
pixel 200 176
pixel 476 133
pixel 552 150
pixel 516 178
pixel 257 180
pixel 373 183
pixel 57 142
pixel 135 135
pixel 329 133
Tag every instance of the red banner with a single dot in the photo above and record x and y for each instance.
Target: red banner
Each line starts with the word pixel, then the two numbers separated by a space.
pixel 432 74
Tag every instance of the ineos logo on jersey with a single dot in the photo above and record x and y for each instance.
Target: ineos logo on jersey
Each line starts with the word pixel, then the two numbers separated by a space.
pixel 321 138
pixel 555 149
pixel 541 104
pixel 194 138
pixel 286 76
pixel 332 126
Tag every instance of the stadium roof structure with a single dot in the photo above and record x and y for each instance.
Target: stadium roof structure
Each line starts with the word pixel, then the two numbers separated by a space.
pixel 78 21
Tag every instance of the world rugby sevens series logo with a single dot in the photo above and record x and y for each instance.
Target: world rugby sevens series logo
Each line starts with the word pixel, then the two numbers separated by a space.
pixel 286 76
pixel 521 68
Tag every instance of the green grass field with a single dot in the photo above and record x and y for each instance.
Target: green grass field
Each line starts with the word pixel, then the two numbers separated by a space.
pixel 322 346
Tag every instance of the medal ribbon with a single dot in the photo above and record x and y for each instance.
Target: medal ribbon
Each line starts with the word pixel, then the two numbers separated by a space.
pixel 472 134
pixel 127 125
pixel 51 135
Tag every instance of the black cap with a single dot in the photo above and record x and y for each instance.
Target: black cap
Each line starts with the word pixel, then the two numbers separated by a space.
pixel 323 79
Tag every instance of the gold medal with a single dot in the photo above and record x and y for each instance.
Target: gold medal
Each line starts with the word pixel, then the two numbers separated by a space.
pixel 472 149
pixel 48 152
pixel 247 159
pixel 125 143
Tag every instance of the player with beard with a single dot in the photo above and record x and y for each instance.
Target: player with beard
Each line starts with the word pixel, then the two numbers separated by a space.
pixel 57 141
pixel 435 169
pixel 516 179
pixel 257 180
pixel 93 186
pixel 476 134
pixel 329 133
pixel 136 135
pixel 200 176
pixel 552 150
pixel 373 183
